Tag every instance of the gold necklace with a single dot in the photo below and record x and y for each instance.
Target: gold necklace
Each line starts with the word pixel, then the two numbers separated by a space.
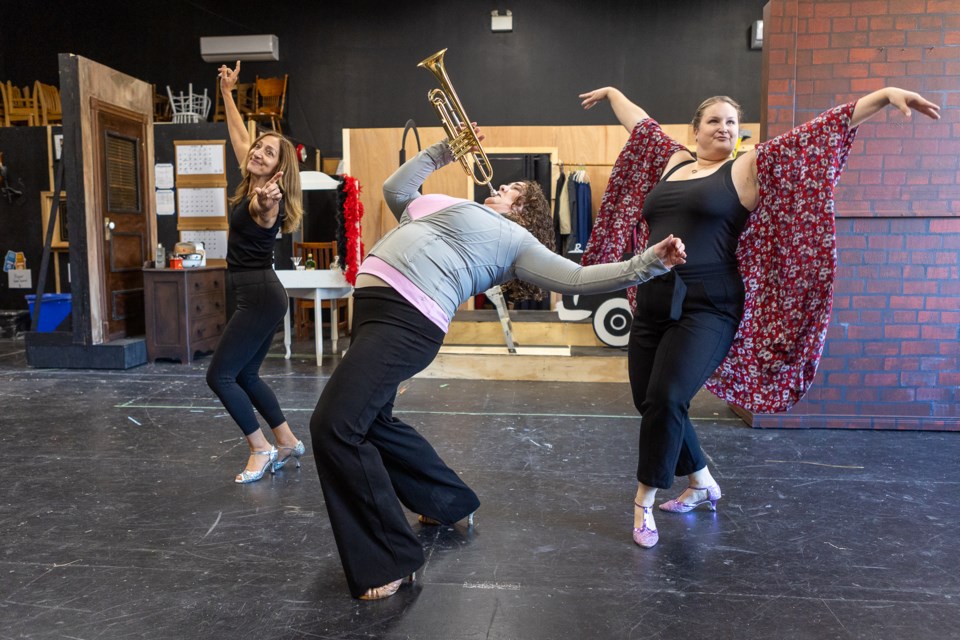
pixel 697 162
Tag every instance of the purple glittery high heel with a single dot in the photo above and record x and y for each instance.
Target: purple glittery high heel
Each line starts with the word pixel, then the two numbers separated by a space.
pixel 644 535
pixel 675 506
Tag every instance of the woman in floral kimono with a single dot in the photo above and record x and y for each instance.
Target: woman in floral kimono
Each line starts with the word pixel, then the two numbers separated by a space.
pixel 747 314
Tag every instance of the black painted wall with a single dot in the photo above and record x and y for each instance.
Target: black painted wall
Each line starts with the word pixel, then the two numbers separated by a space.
pixel 353 64
pixel 25 156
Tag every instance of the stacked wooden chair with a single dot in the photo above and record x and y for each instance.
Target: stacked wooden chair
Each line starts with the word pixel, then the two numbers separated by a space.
pixel 47 98
pixel 18 105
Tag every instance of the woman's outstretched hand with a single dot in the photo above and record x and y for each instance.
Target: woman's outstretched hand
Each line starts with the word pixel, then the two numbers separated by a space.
pixel 671 251
pixel 591 98
pixel 270 194
pixel 228 78
pixel 905 100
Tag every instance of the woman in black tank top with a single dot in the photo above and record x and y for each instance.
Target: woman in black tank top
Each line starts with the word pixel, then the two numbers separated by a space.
pixel 267 201
pixel 686 321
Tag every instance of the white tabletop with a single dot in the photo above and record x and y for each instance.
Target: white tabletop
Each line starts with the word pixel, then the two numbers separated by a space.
pixel 316 285
pixel 313 279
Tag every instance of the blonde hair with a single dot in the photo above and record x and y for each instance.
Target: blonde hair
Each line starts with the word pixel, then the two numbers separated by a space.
pixel 289 182
pixel 698 116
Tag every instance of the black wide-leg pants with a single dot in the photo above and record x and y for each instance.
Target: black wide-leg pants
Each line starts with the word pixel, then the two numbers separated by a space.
pixel 371 462
pixel 669 361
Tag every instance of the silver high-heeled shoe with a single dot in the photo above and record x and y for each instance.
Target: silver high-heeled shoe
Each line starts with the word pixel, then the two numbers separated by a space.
pixel 246 477
pixel 295 452
pixel 387 590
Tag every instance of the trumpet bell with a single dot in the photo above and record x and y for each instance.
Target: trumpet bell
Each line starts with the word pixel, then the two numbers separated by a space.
pixel 456 124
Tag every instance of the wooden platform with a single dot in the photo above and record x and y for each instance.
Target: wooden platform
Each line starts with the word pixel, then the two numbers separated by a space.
pixel 530 328
pixel 547 350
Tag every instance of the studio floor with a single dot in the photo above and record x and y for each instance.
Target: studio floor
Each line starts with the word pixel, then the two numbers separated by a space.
pixel 119 518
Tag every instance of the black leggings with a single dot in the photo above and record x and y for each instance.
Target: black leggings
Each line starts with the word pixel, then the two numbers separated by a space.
pixel 669 361
pixel 259 302
pixel 369 461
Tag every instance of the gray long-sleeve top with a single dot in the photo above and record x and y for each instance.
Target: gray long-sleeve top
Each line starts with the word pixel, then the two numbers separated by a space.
pixel 465 248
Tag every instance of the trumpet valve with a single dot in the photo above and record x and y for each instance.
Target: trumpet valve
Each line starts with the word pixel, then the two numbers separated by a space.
pixel 461 144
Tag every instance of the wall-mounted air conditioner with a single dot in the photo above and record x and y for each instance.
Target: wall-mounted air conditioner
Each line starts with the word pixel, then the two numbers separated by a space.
pixel 233 48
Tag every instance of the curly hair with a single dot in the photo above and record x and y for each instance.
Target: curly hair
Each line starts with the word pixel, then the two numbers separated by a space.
pixel 532 212
pixel 289 182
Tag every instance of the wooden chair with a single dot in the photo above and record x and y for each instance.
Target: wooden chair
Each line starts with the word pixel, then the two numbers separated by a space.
pixel 244 101
pixel 270 99
pixel 48 99
pixel 162 111
pixel 16 106
pixel 219 115
pixel 245 98
pixel 323 254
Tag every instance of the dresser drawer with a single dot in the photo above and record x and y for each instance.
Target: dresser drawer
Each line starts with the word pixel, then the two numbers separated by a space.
pixel 203 282
pixel 206 328
pixel 208 304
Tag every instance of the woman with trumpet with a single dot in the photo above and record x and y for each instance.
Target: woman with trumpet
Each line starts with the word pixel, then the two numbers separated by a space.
pixel 444 251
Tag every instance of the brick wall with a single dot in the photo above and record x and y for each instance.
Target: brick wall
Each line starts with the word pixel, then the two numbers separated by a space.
pixel 892 358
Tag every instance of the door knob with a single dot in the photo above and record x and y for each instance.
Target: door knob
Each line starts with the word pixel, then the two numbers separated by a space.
pixel 108 226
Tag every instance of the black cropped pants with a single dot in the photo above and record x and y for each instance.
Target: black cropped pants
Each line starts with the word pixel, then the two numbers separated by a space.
pixel 670 360
pixel 259 302
pixel 371 462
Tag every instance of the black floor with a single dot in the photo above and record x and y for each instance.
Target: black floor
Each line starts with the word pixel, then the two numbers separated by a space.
pixel 119 518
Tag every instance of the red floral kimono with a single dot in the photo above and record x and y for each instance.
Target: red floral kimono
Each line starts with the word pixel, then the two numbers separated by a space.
pixel 786 254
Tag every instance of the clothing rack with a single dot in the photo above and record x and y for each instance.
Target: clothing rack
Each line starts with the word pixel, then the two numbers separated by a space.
pixel 561 163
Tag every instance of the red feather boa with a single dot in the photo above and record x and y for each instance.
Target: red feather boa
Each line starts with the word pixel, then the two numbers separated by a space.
pixel 352 214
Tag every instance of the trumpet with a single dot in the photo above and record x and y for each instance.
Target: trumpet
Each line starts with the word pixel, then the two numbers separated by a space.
pixel 454 117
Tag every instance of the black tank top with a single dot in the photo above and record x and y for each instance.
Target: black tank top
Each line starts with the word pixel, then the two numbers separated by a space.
pixel 705 213
pixel 250 246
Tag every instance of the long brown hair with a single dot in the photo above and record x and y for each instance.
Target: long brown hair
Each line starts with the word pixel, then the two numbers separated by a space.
pixel 289 182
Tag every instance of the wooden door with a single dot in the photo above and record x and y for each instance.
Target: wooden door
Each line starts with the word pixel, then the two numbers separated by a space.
pixel 120 138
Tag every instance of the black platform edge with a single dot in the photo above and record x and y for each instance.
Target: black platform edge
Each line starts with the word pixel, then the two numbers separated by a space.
pixel 56 350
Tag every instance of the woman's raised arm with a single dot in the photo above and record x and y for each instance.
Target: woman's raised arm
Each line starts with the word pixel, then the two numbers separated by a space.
pixel 239 138
pixel 627 112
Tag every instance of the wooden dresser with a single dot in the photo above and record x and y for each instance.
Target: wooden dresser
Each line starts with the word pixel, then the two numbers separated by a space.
pixel 186 311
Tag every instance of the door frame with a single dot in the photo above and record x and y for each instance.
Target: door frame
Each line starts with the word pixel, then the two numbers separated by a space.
pixel 98 180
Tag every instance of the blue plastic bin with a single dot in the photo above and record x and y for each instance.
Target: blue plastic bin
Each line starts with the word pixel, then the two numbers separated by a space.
pixel 56 308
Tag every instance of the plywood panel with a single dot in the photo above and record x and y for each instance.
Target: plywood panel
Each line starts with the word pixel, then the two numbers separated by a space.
pixel 371 155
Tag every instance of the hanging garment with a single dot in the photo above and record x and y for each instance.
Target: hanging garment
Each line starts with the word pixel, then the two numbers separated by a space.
pixel 557 226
